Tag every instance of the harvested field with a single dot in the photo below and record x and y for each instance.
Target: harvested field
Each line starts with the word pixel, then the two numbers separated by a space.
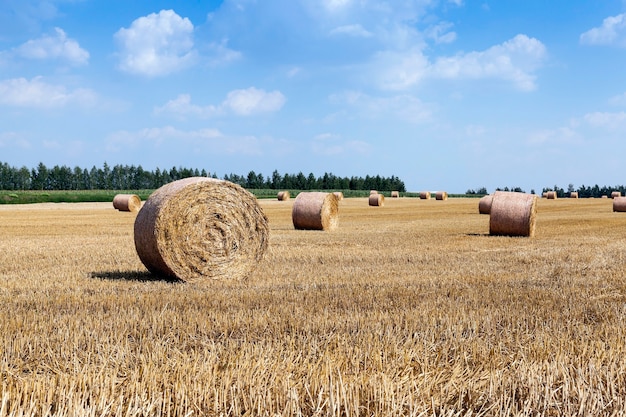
pixel 411 310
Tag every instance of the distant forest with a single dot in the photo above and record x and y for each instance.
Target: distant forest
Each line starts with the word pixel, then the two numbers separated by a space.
pixel 124 177
pixel 583 191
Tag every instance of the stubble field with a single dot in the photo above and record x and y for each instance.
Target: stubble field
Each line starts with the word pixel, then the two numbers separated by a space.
pixel 407 309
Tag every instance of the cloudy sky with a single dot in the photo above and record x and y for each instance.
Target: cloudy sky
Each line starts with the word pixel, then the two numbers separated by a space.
pixel 445 94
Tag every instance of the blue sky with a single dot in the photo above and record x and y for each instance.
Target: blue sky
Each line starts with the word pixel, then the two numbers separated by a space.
pixel 445 94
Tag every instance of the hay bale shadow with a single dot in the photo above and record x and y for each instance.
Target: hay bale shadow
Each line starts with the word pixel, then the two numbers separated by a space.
pixel 143 276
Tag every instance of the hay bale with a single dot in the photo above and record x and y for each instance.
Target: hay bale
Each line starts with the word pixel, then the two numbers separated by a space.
pixel 198 228
pixel 424 195
pixel 544 195
pixel 339 195
pixel 616 194
pixel 484 204
pixel 513 214
pixel 573 194
pixel 395 194
pixel 373 192
pixel 441 195
pixel 283 196
pixel 619 204
pixel 552 195
pixel 605 196
pixel 377 200
pixel 315 211
pixel 127 202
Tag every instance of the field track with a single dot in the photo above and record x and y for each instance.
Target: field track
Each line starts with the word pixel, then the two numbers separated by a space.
pixel 406 309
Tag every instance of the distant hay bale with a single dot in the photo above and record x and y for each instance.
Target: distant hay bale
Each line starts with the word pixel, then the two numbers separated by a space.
pixel 441 195
pixel 605 196
pixel 512 214
pixel 544 195
pixel 198 227
pixel 424 195
pixel 395 194
pixel 339 195
pixel 484 204
pixel 377 200
pixel 283 196
pixel 616 194
pixel 619 204
pixel 573 194
pixel 315 211
pixel 373 192
pixel 127 202
pixel 552 195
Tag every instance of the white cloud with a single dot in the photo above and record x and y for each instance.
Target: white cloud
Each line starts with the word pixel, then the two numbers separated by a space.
pixel 618 100
pixel 356 31
pixel 514 60
pixel 168 137
pixel 181 107
pixel 157 44
pixel 57 46
pixel 13 139
pixel 401 107
pixel 605 120
pixel 252 101
pixel 399 70
pixel 612 32
pixel 440 33
pixel 36 93
pixel 240 102
pixel 329 144
pixel 222 54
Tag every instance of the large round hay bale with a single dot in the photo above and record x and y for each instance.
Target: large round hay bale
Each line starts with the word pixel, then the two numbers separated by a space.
pixel 424 195
pixel 377 200
pixel 127 202
pixel 484 204
pixel 573 194
pixel 315 211
pixel 339 195
pixel 441 195
pixel 616 194
pixel 198 228
pixel 395 194
pixel 552 195
pixel 512 214
pixel 544 195
pixel 283 196
pixel 619 204
pixel 373 192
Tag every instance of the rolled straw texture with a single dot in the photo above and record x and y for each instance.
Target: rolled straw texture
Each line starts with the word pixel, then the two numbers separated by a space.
pixel 339 195
pixel 441 195
pixel 552 195
pixel 395 194
pixel 425 195
pixel 513 214
pixel 127 202
pixel 198 228
pixel 615 194
pixel 315 211
pixel 484 204
pixel 377 200
pixel 283 196
pixel 573 194
pixel 619 204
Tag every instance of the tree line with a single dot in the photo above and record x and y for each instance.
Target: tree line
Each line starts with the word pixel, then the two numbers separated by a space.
pixel 583 191
pixel 125 177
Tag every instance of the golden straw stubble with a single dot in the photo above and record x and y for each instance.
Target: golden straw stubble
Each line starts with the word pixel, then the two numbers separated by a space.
pixel 198 228
pixel 315 211
pixel 513 214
